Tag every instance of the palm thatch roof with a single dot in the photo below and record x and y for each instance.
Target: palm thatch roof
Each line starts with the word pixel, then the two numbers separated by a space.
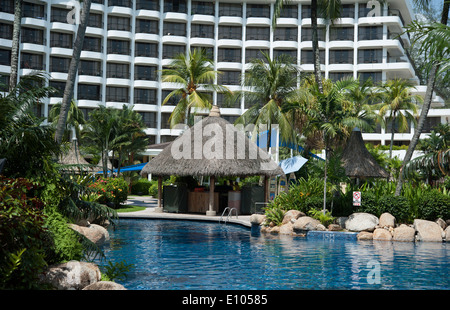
pixel 212 147
pixel 73 156
pixel 357 160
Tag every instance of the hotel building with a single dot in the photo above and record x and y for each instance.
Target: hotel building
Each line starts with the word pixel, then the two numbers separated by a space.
pixel 128 42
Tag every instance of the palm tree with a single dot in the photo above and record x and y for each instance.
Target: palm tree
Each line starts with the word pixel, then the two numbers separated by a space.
pixel 396 101
pixel 15 43
pixel 329 10
pixel 73 69
pixel 269 83
pixel 432 50
pixel 75 118
pixel 193 73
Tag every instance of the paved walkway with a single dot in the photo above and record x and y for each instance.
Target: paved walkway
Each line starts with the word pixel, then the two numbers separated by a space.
pixel 151 203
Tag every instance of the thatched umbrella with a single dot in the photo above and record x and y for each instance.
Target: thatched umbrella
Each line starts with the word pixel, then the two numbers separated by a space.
pixel 73 156
pixel 357 160
pixel 212 147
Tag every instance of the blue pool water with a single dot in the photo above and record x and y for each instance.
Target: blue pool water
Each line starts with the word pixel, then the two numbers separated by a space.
pixel 169 254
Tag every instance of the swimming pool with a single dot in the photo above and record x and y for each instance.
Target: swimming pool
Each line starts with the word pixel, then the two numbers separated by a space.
pixel 190 255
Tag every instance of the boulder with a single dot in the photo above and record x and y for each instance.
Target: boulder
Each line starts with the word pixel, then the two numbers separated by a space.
pixel 306 223
pixel 73 275
pixel 387 220
pixel 96 233
pixel 441 223
pixel 427 231
pixel 334 227
pixel 341 220
pixel 382 234
pixel 257 219
pixel 361 222
pixel 291 215
pixel 104 286
pixel 404 233
pixel 364 235
pixel 286 229
pixel 447 234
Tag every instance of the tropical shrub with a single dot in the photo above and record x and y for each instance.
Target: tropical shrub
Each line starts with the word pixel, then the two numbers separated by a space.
pixel 434 204
pixel 274 214
pixel 398 206
pixel 111 190
pixel 141 187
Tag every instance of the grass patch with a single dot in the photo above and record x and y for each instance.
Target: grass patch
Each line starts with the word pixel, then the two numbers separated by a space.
pixel 124 209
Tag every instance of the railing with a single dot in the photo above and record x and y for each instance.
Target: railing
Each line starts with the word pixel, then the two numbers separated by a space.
pixel 229 215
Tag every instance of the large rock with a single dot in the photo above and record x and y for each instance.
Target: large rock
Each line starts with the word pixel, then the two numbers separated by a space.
pixel 364 235
pixel 104 286
pixel 306 223
pixel 291 215
pixel 387 220
pixel 382 234
pixel 428 231
pixel 257 219
pixel 286 229
pixel 73 275
pixel 404 233
pixel 447 234
pixel 361 222
pixel 96 233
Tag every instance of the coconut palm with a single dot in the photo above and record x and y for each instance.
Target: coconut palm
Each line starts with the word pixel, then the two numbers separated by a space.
pixel 193 73
pixel 73 69
pixel 15 43
pixel 75 118
pixel 269 84
pixel 434 53
pixel 329 10
pixel 397 100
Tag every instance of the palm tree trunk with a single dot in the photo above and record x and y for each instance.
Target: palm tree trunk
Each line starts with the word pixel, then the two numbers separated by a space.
pixel 72 74
pixel 15 44
pixel 425 108
pixel 325 176
pixel 315 46
pixel 392 136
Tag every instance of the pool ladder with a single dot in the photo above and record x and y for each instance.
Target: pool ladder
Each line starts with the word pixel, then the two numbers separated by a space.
pixel 229 215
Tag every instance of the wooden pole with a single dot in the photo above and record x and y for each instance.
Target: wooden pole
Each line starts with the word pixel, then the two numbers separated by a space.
pixel 266 189
pixel 211 211
pixel 159 208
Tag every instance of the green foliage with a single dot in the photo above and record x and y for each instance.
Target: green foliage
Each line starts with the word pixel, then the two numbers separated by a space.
pixel 141 187
pixel 115 271
pixel 274 214
pixel 111 190
pixel 434 204
pixel 326 219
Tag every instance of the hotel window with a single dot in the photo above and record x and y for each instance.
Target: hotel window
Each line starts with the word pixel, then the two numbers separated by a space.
pixel 89 92
pixel 225 101
pixel 95 20
pixel 31 35
pixel 229 78
pixel 285 34
pixel 33 10
pixel 63 40
pixel 202 31
pixel 258 10
pixel 7 6
pixel 146 49
pixel 125 3
pixel 117 94
pixel 147 26
pixel 307 57
pixel 59 64
pixel 229 54
pixel 165 124
pixel 341 56
pixel 6 31
pixel 92 44
pixel 348 10
pixel 59 88
pixel 307 33
pixel 145 96
pixel 119 47
pixel 204 8
pixel 5 57
pixel 251 54
pixel 230 9
pixel 430 123
pixel 170 51
pixel 367 56
pixel 370 33
pixel 90 67
pixel 209 51
pixel 374 76
pixel 119 23
pixel 149 119
pixel 148 73
pixel 174 29
pixel 177 6
pixel 292 54
pixel 32 61
pixel 230 32
pixel 258 33
pixel 336 76
pixel 289 11
pixel 117 70
pixel 173 100
pixel 341 34
pixel 59 15
pixel 147 5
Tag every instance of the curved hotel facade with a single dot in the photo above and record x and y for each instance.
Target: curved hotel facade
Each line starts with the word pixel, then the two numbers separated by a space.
pixel 128 42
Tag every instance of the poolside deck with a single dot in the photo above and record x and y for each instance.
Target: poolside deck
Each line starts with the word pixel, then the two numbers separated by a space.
pixel 150 204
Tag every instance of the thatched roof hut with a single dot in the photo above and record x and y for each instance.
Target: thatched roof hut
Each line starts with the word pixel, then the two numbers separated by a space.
pixel 357 160
pixel 212 147
pixel 74 158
